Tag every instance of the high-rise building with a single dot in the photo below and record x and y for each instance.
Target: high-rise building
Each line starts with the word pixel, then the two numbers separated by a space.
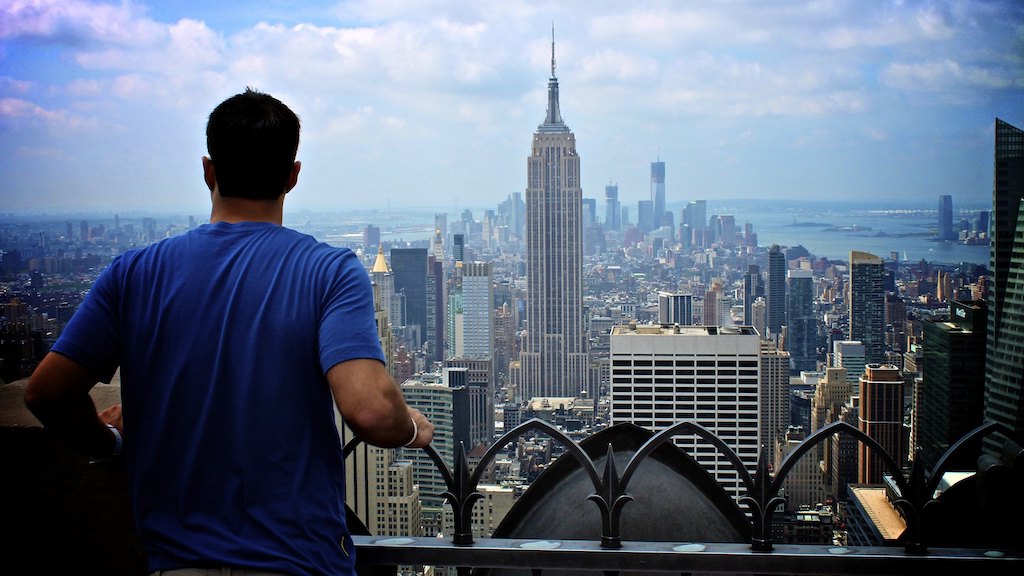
pixel 675 308
pixel 479 381
pixel 447 407
pixel 371 238
pixel 849 354
pixel 409 267
pixel 802 332
pixel 775 290
pixel 881 418
pixel 952 380
pixel 471 312
pixel 1004 360
pixel 945 228
pixel 436 304
pixel 710 315
pixel 705 374
pixel 611 208
pixel 866 298
pixel 753 288
pixel 555 360
pixel 775 397
pixel 658 192
pixel 645 216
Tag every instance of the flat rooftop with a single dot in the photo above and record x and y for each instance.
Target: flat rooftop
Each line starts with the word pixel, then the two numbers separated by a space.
pixel 677 330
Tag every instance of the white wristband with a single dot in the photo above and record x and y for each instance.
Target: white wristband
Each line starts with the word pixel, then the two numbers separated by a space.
pixel 118 442
pixel 415 432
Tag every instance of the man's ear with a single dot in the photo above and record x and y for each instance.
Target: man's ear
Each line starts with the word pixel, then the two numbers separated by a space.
pixel 209 173
pixel 293 177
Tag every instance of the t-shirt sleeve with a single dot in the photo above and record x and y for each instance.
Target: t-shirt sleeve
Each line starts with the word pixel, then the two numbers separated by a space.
pixel 347 328
pixel 91 336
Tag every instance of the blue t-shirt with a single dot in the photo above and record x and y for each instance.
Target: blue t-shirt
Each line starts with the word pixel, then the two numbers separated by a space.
pixel 224 336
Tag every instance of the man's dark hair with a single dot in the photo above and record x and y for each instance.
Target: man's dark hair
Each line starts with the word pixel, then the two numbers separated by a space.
pixel 252 139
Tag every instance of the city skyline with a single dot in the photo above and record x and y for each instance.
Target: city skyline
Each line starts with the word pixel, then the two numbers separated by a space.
pixel 102 106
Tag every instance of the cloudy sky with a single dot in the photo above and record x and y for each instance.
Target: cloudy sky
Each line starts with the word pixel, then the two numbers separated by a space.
pixel 433 103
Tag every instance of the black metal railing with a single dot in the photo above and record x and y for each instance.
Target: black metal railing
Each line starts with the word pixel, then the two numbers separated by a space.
pixel 762 499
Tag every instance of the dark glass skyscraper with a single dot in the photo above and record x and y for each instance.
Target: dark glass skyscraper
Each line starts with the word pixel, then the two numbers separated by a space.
pixel 1004 362
pixel 866 296
pixel 946 218
pixel 409 266
pixel 802 326
pixel 775 290
pixel 952 380
pixel 753 288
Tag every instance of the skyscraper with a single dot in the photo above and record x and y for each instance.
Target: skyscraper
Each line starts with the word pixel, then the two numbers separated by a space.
pixel 471 312
pixel 611 207
pixel 675 308
pixel 775 290
pixel 555 361
pixel 409 267
pixel 1004 361
pixel 705 374
pixel 774 392
pixel 945 231
pixel 881 418
pixel 753 288
pixel 866 298
pixel 952 380
pixel 658 192
pixel 802 334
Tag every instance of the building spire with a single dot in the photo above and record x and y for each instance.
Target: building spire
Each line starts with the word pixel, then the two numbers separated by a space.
pixel 553 120
pixel 553 49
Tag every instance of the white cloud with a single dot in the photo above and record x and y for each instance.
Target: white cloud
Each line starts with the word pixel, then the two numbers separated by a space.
pixel 76 22
pixel 946 75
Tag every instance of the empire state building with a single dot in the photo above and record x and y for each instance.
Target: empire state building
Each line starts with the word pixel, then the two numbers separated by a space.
pixel 554 361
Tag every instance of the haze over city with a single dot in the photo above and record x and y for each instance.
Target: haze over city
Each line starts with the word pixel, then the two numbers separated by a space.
pixel 431 104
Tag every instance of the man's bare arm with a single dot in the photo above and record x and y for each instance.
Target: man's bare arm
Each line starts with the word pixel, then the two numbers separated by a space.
pixel 58 395
pixel 373 405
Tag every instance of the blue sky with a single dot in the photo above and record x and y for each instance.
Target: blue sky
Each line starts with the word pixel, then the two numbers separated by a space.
pixel 432 103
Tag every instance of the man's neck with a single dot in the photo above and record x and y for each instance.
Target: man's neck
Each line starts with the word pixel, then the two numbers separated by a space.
pixel 234 210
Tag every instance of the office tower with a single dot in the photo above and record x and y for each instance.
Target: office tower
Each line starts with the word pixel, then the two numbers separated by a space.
pixel 504 340
pixel 371 238
pixel 700 373
pixel 555 360
pixel 658 192
pixel 725 229
pixel 611 207
pixel 588 212
pixel 981 224
pixel 866 298
pixel 409 267
pixel 881 418
pixel 645 216
pixel 447 407
pixel 436 304
pixel 471 312
pixel 753 288
pixel 675 308
pixel 1004 361
pixel 459 247
pixel 441 227
pixel 945 228
pixel 775 290
pixel 802 332
pixel 710 316
pixel 849 354
pixel 381 491
pixel 479 382
pixel 487 514
pixel 952 380
pixel 759 316
pixel 832 391
pixel 805 485
pixel 842 453
pixel 774 392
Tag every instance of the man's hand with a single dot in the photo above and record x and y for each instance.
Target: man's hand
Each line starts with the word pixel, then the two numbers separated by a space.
pixel 112 416
pixel 424 429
